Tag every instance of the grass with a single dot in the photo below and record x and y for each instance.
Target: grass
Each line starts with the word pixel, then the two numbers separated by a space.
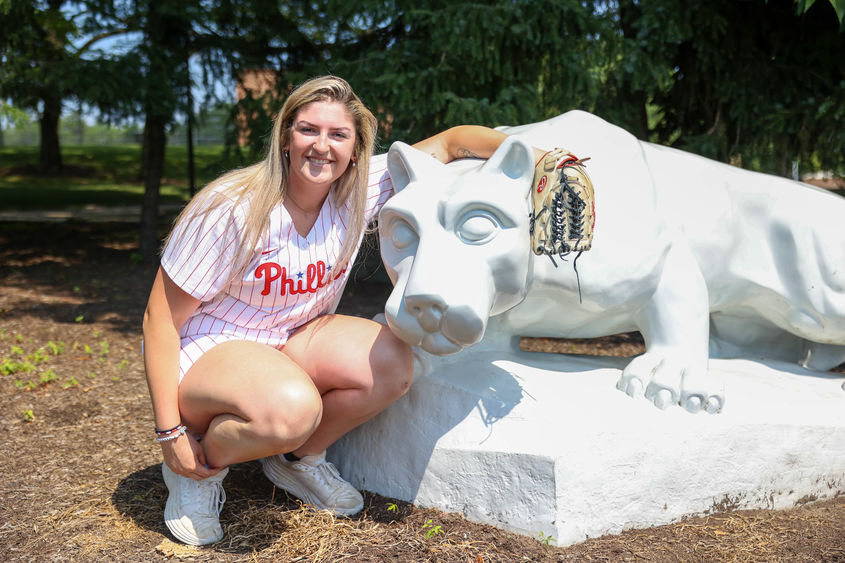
pixel 99 175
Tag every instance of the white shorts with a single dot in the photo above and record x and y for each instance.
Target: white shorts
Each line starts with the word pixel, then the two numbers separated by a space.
pixel 195 346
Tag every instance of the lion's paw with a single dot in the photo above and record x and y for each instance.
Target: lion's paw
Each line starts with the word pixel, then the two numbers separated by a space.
pixel 667 381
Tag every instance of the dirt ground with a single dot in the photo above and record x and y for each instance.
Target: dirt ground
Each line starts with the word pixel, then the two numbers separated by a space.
pixel 80 477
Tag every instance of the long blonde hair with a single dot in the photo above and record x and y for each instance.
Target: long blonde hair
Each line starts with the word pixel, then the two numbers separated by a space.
pixel 264 184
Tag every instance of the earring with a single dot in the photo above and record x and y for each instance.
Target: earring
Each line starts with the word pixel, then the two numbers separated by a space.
pixel 353 164
pixel 287 154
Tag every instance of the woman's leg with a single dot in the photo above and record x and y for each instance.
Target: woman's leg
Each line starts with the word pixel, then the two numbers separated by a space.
pixel 248 400
pixel 359 368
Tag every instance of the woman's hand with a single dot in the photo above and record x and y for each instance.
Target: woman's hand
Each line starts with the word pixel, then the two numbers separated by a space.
pixel 466 141
pixel 463 141
pixel 185 456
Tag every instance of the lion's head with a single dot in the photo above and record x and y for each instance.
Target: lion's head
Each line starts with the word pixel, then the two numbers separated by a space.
pixel 455 242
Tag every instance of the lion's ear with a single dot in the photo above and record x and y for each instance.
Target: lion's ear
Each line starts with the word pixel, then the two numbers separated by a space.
pixel 406 164
pixel 515 159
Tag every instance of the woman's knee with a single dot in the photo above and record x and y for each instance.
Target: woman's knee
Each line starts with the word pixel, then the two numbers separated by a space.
pixel 393 364
pixel 288 414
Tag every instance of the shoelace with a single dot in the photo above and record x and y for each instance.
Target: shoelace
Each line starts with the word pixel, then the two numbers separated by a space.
pixel 325 472
pixel 214 495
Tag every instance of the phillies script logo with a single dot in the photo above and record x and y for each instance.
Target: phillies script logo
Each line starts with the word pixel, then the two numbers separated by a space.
pixel 314 278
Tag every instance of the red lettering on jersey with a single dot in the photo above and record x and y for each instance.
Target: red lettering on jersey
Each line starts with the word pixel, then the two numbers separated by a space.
pixel 272 271
pixel 315 278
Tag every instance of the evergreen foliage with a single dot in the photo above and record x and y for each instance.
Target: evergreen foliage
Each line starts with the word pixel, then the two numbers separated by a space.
pixel 427 65
pixel 756 82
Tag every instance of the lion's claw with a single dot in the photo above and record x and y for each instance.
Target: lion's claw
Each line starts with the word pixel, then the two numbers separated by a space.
pixel 631 386
pixel 669 381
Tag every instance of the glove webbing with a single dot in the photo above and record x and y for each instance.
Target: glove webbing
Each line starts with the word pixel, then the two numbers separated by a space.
pixel 569 198
pixel 564 229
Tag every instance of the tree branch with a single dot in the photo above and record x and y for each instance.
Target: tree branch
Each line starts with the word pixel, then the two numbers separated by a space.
pixel 111 33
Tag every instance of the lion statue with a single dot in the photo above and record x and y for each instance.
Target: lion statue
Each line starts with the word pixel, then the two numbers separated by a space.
pixel 702 258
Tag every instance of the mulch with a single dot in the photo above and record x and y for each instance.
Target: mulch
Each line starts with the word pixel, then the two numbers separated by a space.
pixel 80 477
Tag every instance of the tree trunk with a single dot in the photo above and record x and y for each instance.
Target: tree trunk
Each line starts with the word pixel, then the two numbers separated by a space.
pixel 641 100
pixel 50 157
pixel 155 139
pixel 192 189
pixel 782 157
pixel 142 172
pixel 80 127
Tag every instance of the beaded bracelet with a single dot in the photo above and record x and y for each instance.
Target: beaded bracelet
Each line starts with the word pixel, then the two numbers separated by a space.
pixel 165 432
pixel 172 435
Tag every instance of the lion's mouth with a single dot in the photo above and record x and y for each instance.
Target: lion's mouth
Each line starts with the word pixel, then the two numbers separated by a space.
pixel 440 344
pixel 436 338
pixel 457 329
pixel 429 322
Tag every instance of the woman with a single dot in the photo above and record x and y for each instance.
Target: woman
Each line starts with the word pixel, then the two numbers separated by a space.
pixel 243 355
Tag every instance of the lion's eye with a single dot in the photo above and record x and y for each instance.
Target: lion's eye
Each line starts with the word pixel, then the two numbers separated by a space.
pixel 478 228
pixel 402 234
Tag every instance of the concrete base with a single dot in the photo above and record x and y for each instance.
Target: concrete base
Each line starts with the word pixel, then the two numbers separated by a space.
pixel 545 443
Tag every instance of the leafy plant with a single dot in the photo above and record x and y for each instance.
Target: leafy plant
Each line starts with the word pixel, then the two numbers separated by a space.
pixel 104 350
pixel 48 375
pixel 546 539
pixel 38 356
pixel 28 415
pixel 431 529
pixel 56 348
pixel 70 383
pixel 391 507
pixel 9 366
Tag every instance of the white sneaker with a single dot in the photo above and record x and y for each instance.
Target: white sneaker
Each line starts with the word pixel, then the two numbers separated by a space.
pixel 314 481
pixel 192 512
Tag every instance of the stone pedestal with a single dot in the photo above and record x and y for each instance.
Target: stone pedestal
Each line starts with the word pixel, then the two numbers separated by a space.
pixel 545 443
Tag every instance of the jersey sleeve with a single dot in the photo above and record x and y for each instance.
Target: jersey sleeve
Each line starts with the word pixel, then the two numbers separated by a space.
pixel 201 253
pixel 379 186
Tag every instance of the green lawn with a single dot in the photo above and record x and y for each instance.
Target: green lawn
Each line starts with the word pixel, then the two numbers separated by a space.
pixel 99 175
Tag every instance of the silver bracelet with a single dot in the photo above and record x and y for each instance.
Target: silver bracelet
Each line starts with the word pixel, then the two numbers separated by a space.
pixel 175 433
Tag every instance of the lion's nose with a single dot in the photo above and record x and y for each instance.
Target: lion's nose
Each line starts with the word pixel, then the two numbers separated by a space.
pixel 428 309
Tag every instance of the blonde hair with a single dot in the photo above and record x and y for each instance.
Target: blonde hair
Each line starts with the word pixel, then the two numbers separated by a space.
pixel 264 184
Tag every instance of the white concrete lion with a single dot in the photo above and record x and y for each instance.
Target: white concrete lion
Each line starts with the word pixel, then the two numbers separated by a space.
pixel 700 257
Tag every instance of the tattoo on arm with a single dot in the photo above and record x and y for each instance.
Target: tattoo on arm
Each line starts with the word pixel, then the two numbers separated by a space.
pixel 463 152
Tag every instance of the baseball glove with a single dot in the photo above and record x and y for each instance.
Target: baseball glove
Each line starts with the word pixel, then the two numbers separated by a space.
pixel 563 210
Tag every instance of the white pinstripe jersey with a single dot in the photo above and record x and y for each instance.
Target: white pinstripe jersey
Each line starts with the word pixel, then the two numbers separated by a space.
pixel 281 289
